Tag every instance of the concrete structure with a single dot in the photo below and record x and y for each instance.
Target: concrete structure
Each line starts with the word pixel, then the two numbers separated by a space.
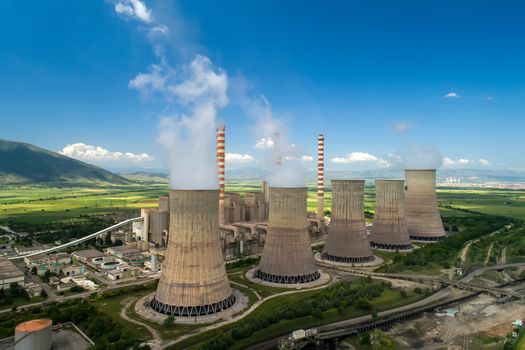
pixel 193 279
pixel 87 255
pixel 422 214
pixel 34 335
pixel 320 177
pixel 287 256
pixel 389 230
pixel 73 270
pixel 221 131
pixel 347 238
pixel 9 273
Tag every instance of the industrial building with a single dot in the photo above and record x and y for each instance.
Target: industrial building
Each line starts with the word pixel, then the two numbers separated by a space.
pixel 422 213
pixel 389 230
pixel 9 273
pixel 193 279
pixel 347 240
pixel 287 255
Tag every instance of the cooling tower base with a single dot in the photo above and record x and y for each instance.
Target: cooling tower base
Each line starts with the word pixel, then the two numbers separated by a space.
pixel 405 247
pixel 349 260
pixel 190 311
pixel 287 279
pixel 427 238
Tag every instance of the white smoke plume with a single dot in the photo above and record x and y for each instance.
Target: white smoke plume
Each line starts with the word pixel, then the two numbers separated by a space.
pixel 282 158
pixel 415 157
pixel 192 94
pixel 189 139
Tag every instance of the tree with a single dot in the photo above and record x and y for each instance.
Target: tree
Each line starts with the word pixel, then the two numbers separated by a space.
pixel 169 321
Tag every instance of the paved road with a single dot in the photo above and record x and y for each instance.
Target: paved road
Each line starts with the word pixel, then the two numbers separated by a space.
pixel 157 339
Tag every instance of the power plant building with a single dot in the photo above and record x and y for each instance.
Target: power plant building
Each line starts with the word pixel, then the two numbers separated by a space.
pixel 422 213
pixel 193 280
pixel 34 335
pixel 287 256
pixel 389 230
pixel 347 239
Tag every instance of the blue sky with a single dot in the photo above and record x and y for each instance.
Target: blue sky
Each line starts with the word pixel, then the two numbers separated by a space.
pixel 372 76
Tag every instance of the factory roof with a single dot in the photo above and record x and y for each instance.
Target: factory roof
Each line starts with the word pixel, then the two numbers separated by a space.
pixel 33 325
pixel 88 254
pixel 9 270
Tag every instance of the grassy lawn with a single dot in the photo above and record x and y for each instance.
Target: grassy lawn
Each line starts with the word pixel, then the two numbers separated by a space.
pixel 22 301
pixel 239 275
pixel 389 299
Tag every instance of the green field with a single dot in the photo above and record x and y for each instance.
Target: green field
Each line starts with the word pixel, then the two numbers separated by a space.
pixel 37 204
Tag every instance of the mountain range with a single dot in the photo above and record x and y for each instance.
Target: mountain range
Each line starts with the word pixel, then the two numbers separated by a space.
pixel 26 164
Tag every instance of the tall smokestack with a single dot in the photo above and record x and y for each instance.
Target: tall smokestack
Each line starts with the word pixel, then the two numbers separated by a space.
pixel 389 230
pixel 320 177
pixel 221 133
pixel 422 214
pixel 348 241
pixel 193 280
pixel 287 256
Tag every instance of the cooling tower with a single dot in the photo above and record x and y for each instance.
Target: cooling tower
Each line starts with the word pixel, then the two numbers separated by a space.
pixel 347 239
pixel 422 214
pixel 389 230
pixel 320 177
pixel 193 280
pixel 287 256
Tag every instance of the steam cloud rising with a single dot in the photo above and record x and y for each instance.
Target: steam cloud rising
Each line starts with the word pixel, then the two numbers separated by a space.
pixel 417 157
pixel 282 158
pixel 189 139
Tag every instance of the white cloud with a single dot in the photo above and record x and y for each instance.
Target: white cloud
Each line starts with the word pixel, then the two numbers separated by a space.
pixel 401 127
pixel 83 151
pixel 448 162
pixel 265 143
pixel 238 158
pixel 489 98
pixel 133 9
pixel 157 31
pixel 452 94
pixel 306 158
pixel 147 83
pixel 355 157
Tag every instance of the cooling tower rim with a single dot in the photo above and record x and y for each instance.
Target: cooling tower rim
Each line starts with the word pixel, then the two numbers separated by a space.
pixel 389 181
pixel 348 180
pixel 412 170
pixel 288 188
pixel 182 190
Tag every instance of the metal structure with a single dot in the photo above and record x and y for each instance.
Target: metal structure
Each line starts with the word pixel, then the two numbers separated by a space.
pixel 221 133
pixel 347 238
pixel 389 230
pixel 193 280
pixel 79 240
pixel 34 335
pixel 320 177
pixel 422 214
pixel 287 256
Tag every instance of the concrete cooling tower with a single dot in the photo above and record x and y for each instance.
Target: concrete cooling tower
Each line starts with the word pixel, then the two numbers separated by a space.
pixel 389 230
pixel 287 256
pixel 422 214
pixel 193 281
pixel 347 239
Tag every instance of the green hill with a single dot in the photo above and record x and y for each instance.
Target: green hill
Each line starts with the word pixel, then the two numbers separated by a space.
pixel 25 164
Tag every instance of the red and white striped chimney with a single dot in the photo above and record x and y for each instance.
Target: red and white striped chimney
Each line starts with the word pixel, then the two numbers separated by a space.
pixel 320 177
pixel 221 130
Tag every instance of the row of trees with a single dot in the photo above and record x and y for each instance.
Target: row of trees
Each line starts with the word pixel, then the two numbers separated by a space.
pixel 444 251
pixel 7 295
